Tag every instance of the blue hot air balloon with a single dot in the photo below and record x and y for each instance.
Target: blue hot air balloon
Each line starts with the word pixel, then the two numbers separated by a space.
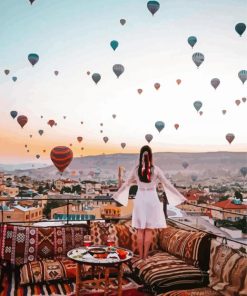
pixel 159 125
pixel 198 58
pixel 192 41
pixel 242 75
pixel 153 6
pixel 13 114
pixel 240 28
pixel 197 105
pixel 96 77
pixel 114 44
pixel 33 58
pixel 14 78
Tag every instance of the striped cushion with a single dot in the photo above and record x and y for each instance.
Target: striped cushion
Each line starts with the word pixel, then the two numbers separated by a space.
pixel 228 270
pixel 191 246
pixel 193 292
pixel 164 272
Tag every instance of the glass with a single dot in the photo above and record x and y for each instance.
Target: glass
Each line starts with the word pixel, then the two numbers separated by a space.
pixel 87 241
pixel 110 240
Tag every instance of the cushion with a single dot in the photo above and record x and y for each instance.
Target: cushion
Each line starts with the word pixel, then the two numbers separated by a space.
pixel 47 270
pixel 193 292
pixel 191 246
pixel 164 272
pixel 228 270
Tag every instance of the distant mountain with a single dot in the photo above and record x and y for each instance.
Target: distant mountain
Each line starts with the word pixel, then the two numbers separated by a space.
pixel 210 164
pixel 21 166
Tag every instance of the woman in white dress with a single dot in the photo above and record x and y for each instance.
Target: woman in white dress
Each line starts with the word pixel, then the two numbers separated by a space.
pixel 148 210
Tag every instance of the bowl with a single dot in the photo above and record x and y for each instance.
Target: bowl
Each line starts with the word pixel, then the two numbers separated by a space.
pixel 97 251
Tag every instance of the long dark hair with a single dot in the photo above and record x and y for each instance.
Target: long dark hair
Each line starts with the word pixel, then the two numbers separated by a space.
pixel 145 168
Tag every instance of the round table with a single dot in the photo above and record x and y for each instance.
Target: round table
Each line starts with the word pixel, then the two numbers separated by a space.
pixel 82 257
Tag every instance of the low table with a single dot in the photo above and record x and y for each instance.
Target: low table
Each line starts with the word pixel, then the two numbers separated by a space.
pixel 83 257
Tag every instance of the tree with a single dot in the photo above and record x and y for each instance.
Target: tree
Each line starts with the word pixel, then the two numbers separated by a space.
pixel 239 195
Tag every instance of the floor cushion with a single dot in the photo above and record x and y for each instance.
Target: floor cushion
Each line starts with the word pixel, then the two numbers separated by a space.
pixel 193 292
pixel 164 272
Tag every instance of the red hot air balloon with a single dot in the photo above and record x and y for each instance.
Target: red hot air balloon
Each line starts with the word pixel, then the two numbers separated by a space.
pixel 176 125
pixel 51 122
pixel 237 102
pixel 139 91
pixel 230 137
pixel 61 156
pixel 157 85
pixel 79 139
pixel 22 120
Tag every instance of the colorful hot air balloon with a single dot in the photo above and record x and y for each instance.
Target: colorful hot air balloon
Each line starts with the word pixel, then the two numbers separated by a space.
pixel 224 112
pixel 96 77
pixel 6 72
pixel 237 102
pixel 242 75
pixel 114 44
pixel 215 82
pixel 61 156
pixel 14 78
pixel 13 114
pixel 79 139
pixel 192 41
pixel 41 132
pixel 105 139
pixel 122 22
pixel 178 81
pixel 185 164
pixel 176 125
pixel 149 138
pixel 240 28
pixel 56 73
pixel 22 120
pixel 139 91
pixel 51 122
pixel 159 125
pixel 198 58
pixel 114 116
pixel 118 69
pixel 123 145
pixel 197 105
pixel 33 58
pixel 153 6
pixel 230 137
pixel 157 85
pixel 243 100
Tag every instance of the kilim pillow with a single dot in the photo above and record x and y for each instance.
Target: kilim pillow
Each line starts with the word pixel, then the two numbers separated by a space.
pixel 47 270
pixel 228 270
pixel 191 246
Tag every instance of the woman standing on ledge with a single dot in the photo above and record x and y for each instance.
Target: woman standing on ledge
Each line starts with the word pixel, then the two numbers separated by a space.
pixel 148 210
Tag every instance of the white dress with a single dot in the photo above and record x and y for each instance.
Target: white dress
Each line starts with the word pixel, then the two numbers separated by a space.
pixel 148 210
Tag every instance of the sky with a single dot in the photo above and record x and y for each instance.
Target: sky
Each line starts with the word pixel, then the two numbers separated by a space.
pixel 74 37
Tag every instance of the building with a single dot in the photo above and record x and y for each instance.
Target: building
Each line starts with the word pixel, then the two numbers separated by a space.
pixel 229 206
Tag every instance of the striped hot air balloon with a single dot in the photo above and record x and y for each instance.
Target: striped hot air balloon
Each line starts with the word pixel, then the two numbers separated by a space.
pixel 61 156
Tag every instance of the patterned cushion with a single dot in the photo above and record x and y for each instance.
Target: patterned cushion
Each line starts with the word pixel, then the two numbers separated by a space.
pixel 228 270
pixel 20 245
pixel 193 292
pixel 47 270
pixel 191 246
pixel 125 235
pixel 164 272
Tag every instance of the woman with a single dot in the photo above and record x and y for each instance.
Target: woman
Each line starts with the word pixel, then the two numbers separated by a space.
pixel 147 211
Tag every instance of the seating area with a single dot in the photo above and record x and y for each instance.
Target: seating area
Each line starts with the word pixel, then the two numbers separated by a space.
pixel 180 263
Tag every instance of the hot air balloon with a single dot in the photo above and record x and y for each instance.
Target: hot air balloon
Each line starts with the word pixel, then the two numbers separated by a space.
pixel 123 145
pixel 13 114
pixel 122 22
pixel 31 1
pixel 237 102
pixel 61 156
pixel 44 151
pixel 33 58
pixel 64 117
pixel 197 105
pixel 118 69
pixel 14 78
pixel 243 171
pixel 105 139
pixel 114 44
pixel 178 81
pixel 30 136
pixel 56 73
pixel 192 41
pixel 159 125
pixel 185 164
pixel 88 72
pixel 114 116
pixel 193 177
pixel 28 150
pixel 82 148
pixel 6 72
pixel 198 58
pixel 153 6
pixel 25 145
pixel 22 120
pixel 240 28
pixel 96 77
pixel 157 85
pixel 101 124
pixel 149 138
pixel 81 122
pixel 51 122
pixel 41 132
pixel 242 75
pixel 139 91
pixel 70 145
pixel 224 112
pixel 215 82
pixel 243 100
pixel 230 137
pixel 176 125
pixel 101 131
pixel 201 113
pixel 79 139
pixel 37 156
pixel 41 116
